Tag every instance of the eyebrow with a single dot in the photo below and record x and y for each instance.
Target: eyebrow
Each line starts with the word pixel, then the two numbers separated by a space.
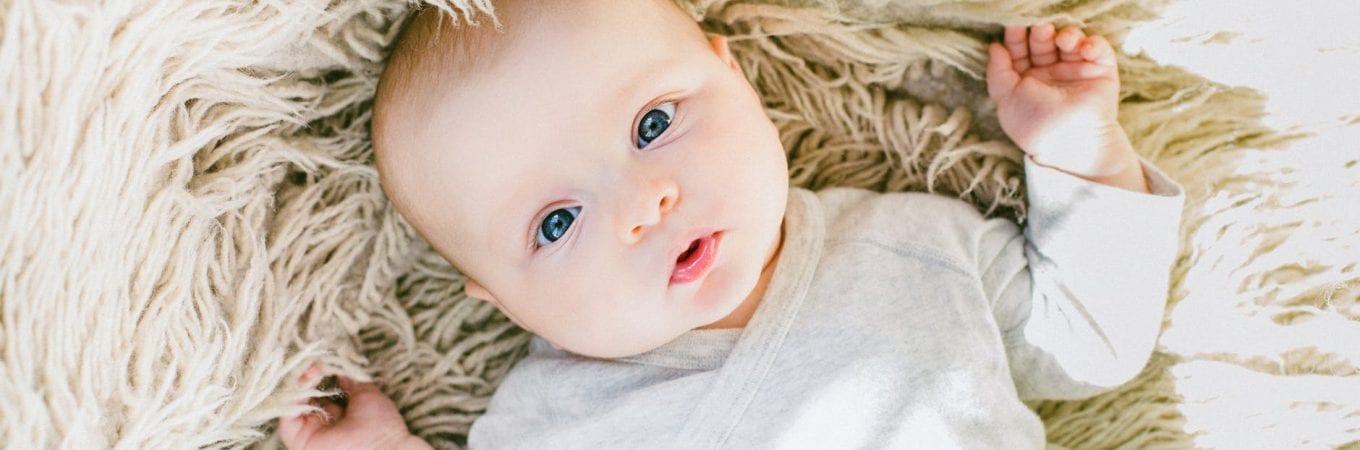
pixel 629 89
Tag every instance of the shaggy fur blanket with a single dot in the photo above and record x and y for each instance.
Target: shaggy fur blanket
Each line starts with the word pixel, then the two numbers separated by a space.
pixel 189 214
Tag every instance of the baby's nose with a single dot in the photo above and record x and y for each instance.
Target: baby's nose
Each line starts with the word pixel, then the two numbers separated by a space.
pixel 659 196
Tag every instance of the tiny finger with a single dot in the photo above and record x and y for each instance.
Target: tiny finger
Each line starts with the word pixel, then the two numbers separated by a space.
pixel 1017 41
pixel 1001 76
pixel 297 430
pixel 310 376
pixel 1098 50
pixel 1017 44
pixel 309 379
pixel 1067 41
pixel 1042 50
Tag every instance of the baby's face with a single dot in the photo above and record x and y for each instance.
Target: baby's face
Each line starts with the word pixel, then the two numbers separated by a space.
pixel 582 166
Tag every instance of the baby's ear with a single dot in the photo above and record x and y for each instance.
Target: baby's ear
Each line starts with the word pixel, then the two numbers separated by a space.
pixel 719 45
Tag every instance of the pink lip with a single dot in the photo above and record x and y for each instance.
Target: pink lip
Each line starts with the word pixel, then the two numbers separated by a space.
pixel 697 264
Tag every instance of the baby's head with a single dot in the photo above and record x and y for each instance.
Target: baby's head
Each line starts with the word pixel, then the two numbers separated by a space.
pixel 567 164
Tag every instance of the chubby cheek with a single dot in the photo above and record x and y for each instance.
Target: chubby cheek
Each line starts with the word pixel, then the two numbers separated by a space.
pixel 591 312
pixel 590 287
pixel 561 297
pixel 740 138
pixel 744 166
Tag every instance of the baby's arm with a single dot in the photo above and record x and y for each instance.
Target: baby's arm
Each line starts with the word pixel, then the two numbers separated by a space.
pixel 368 420
pixel 1057 97
pixel 1079 296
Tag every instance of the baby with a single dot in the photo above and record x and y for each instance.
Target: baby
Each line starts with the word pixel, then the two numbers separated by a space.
pixel 604 174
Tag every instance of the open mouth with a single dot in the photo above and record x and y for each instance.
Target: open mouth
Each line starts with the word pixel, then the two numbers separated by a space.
pixel 695 261
pixel 690 252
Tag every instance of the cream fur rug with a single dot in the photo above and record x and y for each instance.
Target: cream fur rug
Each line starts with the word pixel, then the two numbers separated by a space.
pixel 188 213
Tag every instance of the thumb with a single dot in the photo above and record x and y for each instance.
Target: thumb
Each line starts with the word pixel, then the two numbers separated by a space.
pixel 1001 75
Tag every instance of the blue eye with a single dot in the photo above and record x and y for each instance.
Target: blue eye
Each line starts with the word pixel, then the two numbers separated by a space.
pixel 556 225
pixel 654 123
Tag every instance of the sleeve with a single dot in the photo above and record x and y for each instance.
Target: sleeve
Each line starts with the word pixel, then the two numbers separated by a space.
pixel 1079 297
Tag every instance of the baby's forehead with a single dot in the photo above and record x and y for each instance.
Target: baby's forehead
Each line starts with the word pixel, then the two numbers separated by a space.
pixel 464 93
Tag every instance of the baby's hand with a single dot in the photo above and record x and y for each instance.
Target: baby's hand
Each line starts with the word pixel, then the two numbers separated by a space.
pixel 368 420
pixel 1057 97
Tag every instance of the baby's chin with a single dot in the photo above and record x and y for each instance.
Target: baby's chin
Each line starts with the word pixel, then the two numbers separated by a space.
pixel 730 288
pixel 657 335
pixel 636 346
